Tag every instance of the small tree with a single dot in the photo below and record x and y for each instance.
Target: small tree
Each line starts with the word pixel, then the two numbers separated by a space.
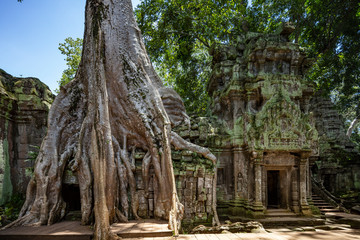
pixel 71 48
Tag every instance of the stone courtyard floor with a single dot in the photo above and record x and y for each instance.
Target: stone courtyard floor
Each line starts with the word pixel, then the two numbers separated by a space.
pixel 272 234
pixel 339 226
pixel 278 234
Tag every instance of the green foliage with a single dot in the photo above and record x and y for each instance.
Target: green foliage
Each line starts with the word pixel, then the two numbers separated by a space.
pixel 188 79
pixel 29 171
pixel 10 210
pixel 178 35
pixel 72 50
pixel 351 195
pixel 315 210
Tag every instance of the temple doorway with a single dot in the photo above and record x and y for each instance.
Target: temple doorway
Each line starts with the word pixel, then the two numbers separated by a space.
pixel 273 189
pixel 71 195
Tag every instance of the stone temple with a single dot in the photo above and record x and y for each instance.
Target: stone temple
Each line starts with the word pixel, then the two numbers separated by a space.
pixel 263 101
pixel 272 137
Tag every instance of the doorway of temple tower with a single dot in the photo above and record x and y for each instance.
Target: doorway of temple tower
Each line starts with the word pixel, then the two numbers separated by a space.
pixel 273 189
pixel 71 195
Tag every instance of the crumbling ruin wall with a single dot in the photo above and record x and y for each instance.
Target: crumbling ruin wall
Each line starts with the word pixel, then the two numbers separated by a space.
pixel 24 105
pixel 338 165
pixel 195 174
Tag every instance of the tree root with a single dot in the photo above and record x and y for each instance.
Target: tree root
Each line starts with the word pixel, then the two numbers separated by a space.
pixel 27 220
pixel 145 172
pixel 122 176
pixel 180 143
pixel 124 156
pixel 121 217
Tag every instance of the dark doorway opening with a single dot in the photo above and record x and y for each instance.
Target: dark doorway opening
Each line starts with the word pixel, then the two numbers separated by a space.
pixel 71 195
pixel 330 182
pixel 273 189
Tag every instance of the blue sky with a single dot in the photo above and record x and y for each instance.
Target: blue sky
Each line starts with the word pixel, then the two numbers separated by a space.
pixel 30 33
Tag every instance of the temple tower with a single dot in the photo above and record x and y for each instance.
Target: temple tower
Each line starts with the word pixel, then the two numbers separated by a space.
pixel 259 93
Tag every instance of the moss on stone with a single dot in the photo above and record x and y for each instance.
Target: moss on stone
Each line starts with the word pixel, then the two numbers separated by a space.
pixel 6 186
pixel 19 97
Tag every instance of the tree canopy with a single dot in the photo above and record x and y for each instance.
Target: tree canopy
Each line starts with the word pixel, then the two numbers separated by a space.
pixel 178 35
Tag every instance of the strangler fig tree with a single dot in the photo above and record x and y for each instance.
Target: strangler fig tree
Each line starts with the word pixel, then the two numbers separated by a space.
pixel 114 105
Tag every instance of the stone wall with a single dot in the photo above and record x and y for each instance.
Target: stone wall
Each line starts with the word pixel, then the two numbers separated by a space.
pixel 24 105
pixel 195 174
pixel 338 165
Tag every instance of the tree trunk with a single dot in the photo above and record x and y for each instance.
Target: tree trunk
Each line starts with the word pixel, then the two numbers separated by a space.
pixel 113 106
pixel 353 124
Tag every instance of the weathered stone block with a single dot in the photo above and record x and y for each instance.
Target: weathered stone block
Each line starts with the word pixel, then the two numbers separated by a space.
pixel 142 199
pixel 139 155
pixel 175 155
pixel 188 215
pixel 194 126
pixel 190 185
pixel 187 158
pixel 200 172
pixel 69 178
pixel 201 198
pixel 190 168
pixel 151 184
pixel 208 209
pixel 208 199
pixel 194 134
pixel 191 179
pixel 208 181
pixel 139 182
pixel 185 134
pixel 200 184
pixel 143 210
pixel 151 204
pixel 178 184
pixel 187 192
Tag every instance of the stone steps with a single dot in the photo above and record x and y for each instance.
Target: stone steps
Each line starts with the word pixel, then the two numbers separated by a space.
pixel 323 206
pixel 283 217
pixel 276 222
pixel 327 210
pixel 279 213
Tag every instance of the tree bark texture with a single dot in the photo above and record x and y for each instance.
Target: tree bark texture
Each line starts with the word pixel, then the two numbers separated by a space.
pixel 113 106
pixel 352 126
